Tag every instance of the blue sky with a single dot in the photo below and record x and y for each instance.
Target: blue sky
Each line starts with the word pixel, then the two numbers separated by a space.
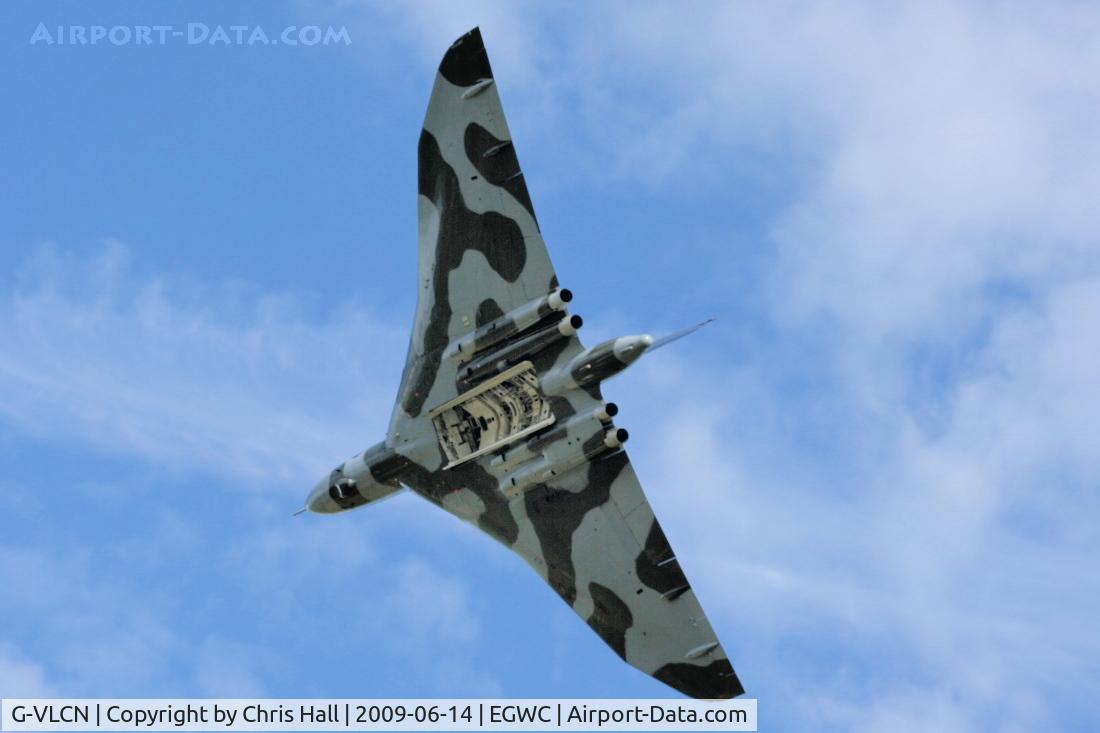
pixel 878 465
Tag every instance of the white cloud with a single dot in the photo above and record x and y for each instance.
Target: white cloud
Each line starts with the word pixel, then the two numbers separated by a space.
pixel 235 605
pixel 20 677
pixel 224 669
pixel 432 616
pixel 430 608
pixel 923 508
pixel 951 555
pixel 246 389
pixel 947 577
pixel 94 632
pixel 189 377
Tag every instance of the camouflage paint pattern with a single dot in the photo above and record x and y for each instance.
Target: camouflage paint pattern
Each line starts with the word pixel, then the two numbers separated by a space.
pixel 586 528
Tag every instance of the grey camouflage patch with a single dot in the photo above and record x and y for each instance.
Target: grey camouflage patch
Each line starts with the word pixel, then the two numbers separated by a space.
pixel 496 160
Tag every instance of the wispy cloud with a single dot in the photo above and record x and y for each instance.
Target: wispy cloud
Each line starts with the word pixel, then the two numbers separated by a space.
pixel 211 388
pixel 205 377
pixel 944 556
pixel 237 603
pixel 908 581
pixel 20 677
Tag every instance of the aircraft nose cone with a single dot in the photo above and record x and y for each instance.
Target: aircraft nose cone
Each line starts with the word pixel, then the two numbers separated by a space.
pixel 319 501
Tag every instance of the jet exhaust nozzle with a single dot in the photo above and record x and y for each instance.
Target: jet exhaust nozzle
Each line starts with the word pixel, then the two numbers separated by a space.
pixel 607 412
pixel 569 326
pixel 559 298
pixel 615 437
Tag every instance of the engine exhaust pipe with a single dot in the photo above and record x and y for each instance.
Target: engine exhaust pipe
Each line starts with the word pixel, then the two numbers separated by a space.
pixel 568 326
pixel 615 437
pixel 559 298
pixel 607 412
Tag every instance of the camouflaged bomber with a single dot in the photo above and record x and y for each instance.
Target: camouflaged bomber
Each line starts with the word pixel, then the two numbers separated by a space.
pixel 499 419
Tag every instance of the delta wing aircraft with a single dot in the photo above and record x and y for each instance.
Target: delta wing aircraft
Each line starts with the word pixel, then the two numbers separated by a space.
pixel 499 417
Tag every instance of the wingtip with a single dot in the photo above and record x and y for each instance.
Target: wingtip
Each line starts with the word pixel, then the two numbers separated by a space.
pixel 466 61
pixel 714 681
pixel 473 35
